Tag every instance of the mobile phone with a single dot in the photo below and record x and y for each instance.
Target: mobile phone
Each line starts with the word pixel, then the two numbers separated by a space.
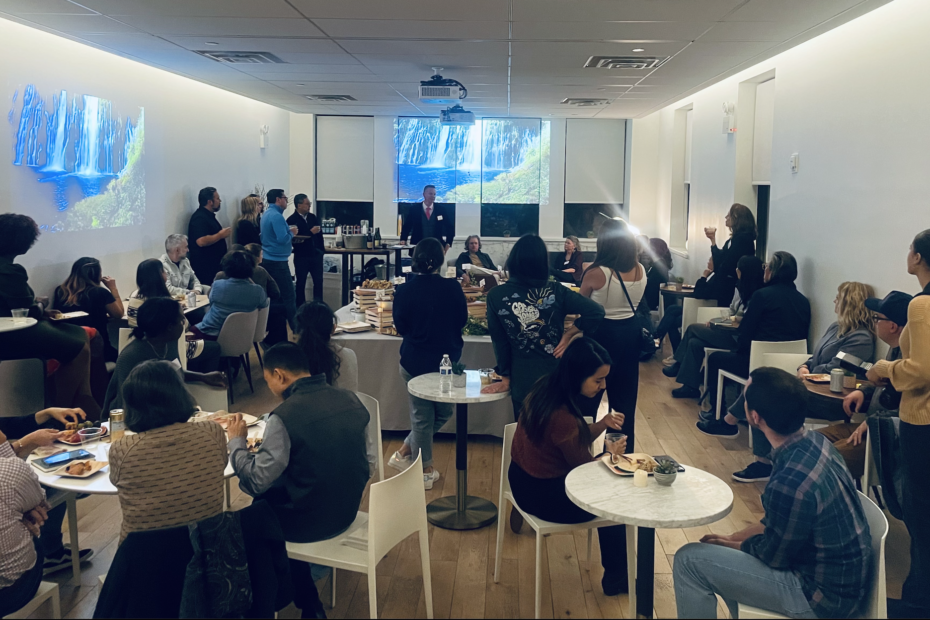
pixel 63 458
pixel 853 364
pixel 665 457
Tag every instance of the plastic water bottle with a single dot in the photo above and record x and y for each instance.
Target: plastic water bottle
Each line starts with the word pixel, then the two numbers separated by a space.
pixel 445 375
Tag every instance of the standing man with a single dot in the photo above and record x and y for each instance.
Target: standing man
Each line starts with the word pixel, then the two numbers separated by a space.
pixel 428 220
pixel 208 236
pixel 308 253
pixel 277 244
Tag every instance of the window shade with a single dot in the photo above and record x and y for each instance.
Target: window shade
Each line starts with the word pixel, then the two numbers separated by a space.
pixel 594 160
pixel 345 158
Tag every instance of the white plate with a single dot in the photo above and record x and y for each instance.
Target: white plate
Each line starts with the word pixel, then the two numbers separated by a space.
pixel 9 324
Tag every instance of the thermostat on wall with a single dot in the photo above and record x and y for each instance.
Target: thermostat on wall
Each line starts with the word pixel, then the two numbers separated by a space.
pixel 795 163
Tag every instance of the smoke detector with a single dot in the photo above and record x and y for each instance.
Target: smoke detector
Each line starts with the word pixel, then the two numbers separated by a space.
pixel 241 58
pixel 330 98
pixel 584 102
pixel 625 62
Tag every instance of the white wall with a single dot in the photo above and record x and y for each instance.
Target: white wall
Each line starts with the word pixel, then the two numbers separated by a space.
pixel 859 122
pixel 195 135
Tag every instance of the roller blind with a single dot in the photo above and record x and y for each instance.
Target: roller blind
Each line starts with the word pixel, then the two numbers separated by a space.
pixel 594 160
pixel 763 127
pixel 345 158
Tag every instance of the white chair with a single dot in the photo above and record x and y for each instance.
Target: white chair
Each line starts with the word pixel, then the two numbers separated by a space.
pixel 261 331
pixel 705 314
pixel 397 509
pixel 22 383
pixel 757 350
pixel 47 592
pixel 235 342
pixel 875 600
pixel 545 528
pixel 375 449
pixel 689 311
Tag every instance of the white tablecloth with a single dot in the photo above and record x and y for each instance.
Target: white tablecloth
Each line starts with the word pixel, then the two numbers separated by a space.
pixel 379 377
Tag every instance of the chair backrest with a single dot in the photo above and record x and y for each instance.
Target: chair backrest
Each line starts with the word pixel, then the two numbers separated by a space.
pixel 208 397
pixel 761 347
pixel 689 310
pixel 261 324
pixel 789 362
pixel 22 384
pixel 396 509
pixel 509 430
pixel 876 605
pixel 375 449
pixel 710 312
pixel 125 337
pixel 237 333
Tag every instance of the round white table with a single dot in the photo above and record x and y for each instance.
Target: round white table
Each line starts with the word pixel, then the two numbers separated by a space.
pixel 462 512
pixel 695 498
pixel 9 324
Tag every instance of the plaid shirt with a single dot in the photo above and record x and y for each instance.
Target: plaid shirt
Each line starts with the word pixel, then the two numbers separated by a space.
pixel 19 493
pixel 815 525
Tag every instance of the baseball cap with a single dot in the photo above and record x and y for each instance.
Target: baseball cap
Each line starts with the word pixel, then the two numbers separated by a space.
pixel 894 306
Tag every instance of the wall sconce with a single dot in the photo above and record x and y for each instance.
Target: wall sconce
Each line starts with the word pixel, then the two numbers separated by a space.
pixel 729 118
pixel 262 132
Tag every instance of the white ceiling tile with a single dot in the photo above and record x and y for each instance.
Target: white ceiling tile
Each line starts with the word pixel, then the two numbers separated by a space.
pixel 574 55
pixel 628 10
pixel 77 24
pixel 258 44
pixel 23 7
pixel 455 10
pixel 306 78
pixel 790 10
pixel 625 31
pixel 753 31
pixel 192 8
pixel 736 50
pixel 222 26
pixel 393 28
pixel 425 48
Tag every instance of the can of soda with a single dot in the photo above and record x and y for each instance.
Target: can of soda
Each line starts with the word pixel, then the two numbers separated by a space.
pixel 836 380
pixel 117 424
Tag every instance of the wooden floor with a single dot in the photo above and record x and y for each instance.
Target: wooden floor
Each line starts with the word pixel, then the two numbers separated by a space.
pixel 462 563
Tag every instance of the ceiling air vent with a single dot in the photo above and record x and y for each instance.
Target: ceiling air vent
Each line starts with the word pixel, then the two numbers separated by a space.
pixel 242 58
pixel 584 103
pixel 330 98
pixel 625 62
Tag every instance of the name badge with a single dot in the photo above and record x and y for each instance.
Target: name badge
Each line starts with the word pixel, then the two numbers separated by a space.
pixel 439 218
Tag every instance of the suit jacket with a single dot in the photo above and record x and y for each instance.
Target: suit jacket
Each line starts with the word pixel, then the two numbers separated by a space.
pixel 310 247
pixel 413 224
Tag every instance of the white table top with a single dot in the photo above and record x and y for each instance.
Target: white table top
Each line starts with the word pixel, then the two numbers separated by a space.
pixel 99 483
pixel 427 388
pixel 9 324
pixel 695 498
pixel 346 315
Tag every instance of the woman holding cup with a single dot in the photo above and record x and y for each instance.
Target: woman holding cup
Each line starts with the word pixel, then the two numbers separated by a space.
pixel 742 242
pixel 552 438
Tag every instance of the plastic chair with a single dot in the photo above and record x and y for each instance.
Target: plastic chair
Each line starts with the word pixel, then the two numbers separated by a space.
pixel 544 528
pixel 689 311
pixel 22 383
pixel 397 509
pixel 261 331
pixel 47 592
pixel 375 449
pixel 235 341
pixel 705 314
pixel 876 601
pixel 757 350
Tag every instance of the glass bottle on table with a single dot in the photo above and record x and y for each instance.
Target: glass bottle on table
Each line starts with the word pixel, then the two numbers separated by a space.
pixel 377 238
pixel 445 375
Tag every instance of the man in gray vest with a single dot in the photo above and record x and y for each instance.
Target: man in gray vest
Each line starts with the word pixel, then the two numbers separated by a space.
pixel 428 219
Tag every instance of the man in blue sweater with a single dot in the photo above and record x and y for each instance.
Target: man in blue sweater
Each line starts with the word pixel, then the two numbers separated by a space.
pixel 277 244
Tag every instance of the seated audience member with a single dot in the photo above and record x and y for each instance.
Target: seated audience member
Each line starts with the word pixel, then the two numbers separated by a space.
pixel 248 228
pixel 472 256
pixel 811 555
pixel 26 434
pixel 181 277
pixel 152 281
pixel 170 472
pixel 159 327
pixel 259 275
pixel 689 356
pixel 645 255
pixel 711 285
pixel 573 265
pixel 657 274
pixel 237 293
pixel 316 324
pixel 890 319
pixel 852 332
pixel 23 511
pixel 312 466
pixel 48 340
pixel 88 290
pixel 552 439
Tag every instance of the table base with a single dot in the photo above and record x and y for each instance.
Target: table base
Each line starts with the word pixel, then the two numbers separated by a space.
pixel 645 571
pixel 444 513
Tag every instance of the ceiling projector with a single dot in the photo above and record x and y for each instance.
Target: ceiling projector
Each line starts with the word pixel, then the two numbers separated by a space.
pixel 440 90
pixel 456 115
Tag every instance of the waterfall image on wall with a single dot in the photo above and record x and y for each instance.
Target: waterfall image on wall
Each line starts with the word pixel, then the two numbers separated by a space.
pixel 78 161
pixel 504 161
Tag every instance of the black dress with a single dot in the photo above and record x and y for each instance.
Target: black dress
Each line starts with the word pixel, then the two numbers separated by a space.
pixel 94 302
pixel 247 232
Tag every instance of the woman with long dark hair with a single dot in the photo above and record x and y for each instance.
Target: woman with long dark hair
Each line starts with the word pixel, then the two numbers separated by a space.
pixel 429 312
pixel 88 290
pixel 316 324
pixel 526 320
pixel 552 438
pixel 151 280
pixel 742 242
pixel 617 282
pixel 657 275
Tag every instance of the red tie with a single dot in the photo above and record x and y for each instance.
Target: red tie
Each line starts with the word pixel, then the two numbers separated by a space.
pixel 429 211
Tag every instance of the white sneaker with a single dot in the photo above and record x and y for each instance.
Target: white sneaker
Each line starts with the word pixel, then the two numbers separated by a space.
pixel 399 462
pixel 669 361
pixel 430 478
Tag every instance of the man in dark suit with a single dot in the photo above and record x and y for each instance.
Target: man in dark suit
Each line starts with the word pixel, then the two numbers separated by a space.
pixel 308 253
pixel 428 219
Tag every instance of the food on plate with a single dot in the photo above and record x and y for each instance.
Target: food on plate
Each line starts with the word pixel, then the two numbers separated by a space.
pixel 78 469
pixel 633 462
pixel 377 284
pixel 818 378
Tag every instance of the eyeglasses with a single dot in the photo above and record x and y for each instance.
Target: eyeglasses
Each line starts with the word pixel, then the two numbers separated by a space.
pixel 878 317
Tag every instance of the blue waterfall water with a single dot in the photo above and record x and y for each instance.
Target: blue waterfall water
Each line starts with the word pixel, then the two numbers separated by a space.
pixel 490 144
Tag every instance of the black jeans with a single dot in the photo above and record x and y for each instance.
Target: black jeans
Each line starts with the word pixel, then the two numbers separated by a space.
pixel 622 338
pixel 691 352
pixel 671 325
pixel 312 266
pixel 15 597
pixel 914 440
pixel 545 498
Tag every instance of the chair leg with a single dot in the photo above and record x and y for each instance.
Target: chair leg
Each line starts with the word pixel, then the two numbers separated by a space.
pixel 372 593
pixel 332 579
pixel 538 601
pixel 56 603
pixel 590 538
pixel 247 366
pixel 501 512
pixel 631 566
pixel 719 396
pixel 425 568
pixel 73 535
pixel 230 392
pixel 258 352
pixel 228 498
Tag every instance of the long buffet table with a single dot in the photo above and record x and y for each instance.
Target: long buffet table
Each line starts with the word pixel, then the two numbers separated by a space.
pixel 379 376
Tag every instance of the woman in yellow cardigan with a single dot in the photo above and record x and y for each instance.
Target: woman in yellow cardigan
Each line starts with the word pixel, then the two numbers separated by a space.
pixel 911 376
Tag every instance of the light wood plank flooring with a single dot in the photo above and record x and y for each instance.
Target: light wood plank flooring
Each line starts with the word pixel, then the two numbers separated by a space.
pixel 462 563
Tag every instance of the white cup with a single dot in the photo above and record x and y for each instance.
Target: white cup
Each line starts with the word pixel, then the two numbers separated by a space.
pixel 19 315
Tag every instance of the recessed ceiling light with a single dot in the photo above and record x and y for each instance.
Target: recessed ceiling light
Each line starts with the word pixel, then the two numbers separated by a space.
pixel 639 49
pixel 212 43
